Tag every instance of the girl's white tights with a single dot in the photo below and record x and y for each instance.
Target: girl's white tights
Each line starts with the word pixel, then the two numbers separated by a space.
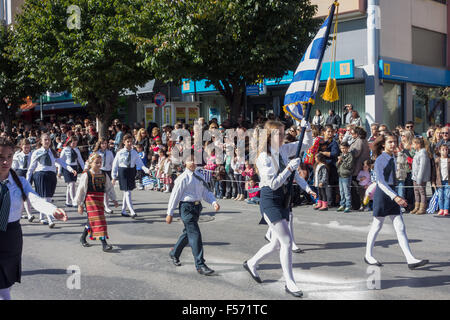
pixel 281 240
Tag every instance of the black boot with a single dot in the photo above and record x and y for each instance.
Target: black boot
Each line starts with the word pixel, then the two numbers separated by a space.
pixel 106 246
pixel 83 241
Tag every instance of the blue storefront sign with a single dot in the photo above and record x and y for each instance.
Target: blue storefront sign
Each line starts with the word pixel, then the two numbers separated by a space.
pixel 343 70
pixel 406 72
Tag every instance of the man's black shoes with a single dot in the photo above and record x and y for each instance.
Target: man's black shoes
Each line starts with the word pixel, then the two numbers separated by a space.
pixel 204 270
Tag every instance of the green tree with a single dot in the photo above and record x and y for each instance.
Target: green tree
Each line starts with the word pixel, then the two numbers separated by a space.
pixel 14 85
pixel 231 43
pixel 83 46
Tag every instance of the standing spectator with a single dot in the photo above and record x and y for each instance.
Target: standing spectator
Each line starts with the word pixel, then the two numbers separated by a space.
pixel 318 119
pixel 345 170
pixel 421 173
pixel 142 139
pixel 364 179
pixel 330 150
pixel 445 138
pixel 440 177
pixel 401 173
pixel 360 151
pixel 410 126
pixel 119 136
pixel 321 182
pixel 348 108
pixel 437 136
pixel 333 119
pixel 356 119
pixel 373 132
pixel 383 129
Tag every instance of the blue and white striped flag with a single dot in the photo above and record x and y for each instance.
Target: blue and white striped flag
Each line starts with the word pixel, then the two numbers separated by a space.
pixel 433 206
pixel 305 83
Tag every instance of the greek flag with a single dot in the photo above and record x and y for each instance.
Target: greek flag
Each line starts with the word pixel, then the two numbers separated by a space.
pixel 434 203
pixel 305 83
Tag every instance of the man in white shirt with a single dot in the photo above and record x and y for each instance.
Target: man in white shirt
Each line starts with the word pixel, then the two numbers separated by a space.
pixel 188 191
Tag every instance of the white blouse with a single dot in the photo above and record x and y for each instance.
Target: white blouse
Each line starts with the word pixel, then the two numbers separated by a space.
pixel 268 167
pixel 38 203
pixel 109 159
pixel 35 165
pixel 19 160
pixel 83 187
pixel 66 156
pixel 121 161
pixel 188 188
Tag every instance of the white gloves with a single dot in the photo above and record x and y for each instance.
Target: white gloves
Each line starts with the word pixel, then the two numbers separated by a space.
pixel 294 164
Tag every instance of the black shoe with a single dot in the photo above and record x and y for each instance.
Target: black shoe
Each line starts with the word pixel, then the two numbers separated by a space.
pixel 106 246
pixel 297 294
pixel 421 263
pixel 109 212
pixel 30 219
pixel 84 243
pixel 298 251
pixel 124 214
pixel 267 239
pixel 204 270
pixel 257 279
pixel 373 264
pixel 69 205
pixel 175 260
pixel 134 216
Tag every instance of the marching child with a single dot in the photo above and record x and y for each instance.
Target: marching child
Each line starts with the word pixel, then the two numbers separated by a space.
pixel 94 185
pixel 124 169
pixel 21 162
pixel 101 148
pixel 72 157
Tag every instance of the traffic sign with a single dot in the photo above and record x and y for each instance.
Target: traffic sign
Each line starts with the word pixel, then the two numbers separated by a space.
pixel 160 99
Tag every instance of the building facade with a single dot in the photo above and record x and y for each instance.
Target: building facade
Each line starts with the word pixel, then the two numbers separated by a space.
pixel 392 64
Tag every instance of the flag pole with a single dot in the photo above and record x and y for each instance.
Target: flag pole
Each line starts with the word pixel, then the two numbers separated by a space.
pixel 287 199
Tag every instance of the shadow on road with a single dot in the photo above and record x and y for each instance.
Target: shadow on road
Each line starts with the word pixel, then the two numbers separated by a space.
pixel 351 245
pixel 160 246
pixel 43 271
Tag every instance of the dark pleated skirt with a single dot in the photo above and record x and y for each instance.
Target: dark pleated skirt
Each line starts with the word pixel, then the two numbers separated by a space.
pixel 127 180
pixel 68 176
pixel 272 204
pixel 45 183
pixel 21 173
pixel 108 173
pixel 11 243
pixel 383 205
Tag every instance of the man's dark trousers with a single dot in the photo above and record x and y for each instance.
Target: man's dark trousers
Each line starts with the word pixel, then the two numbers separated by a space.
pixel 190 214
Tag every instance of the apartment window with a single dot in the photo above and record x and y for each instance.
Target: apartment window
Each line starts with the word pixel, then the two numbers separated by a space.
pixel 429 47
pixel 429 107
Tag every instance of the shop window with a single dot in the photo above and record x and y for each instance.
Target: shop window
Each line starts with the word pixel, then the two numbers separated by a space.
pixel 429 107
pixel 393 108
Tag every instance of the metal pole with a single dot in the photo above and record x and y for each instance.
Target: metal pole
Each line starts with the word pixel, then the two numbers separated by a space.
pixel 42 115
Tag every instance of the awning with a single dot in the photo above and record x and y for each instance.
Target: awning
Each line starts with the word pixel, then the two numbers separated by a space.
pixel 147 88
pixel 57 106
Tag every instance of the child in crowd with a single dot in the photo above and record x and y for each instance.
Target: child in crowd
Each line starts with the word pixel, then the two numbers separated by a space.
pixel 167 174
pixel 345 169
pixel 440 178
pixel 248 173
pixel 321 182
pixel 421 173
pixel 140 173
pixel 253 191
pixel 160 169
pixel 153 169
pixel 364 179
pixel 238 167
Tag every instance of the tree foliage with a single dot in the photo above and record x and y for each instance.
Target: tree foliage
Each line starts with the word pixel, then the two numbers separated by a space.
pixel 231 43
pixel 15 86
pixel 87 51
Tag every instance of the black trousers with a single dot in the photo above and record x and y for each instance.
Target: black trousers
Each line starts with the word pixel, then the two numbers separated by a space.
pixel 190 214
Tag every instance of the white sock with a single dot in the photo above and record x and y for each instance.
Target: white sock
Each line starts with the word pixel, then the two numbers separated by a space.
pixel 106 203
pixel 68 200
pixel 124 202
pixel 291 230
pixel 129 203
pixel 72 193
pixel 50 220
pixel 269 234
pixel 27 206
pixel 5 294
pixel 377 224
pixel 400 229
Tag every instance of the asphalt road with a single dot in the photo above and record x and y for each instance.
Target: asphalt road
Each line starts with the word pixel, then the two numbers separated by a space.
pixel 55 265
